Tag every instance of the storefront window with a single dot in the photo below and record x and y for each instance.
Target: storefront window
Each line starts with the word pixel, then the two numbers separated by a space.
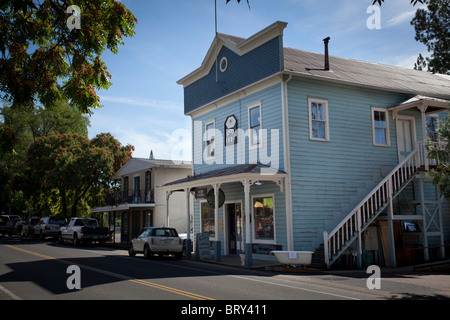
pixel 264 218
pixel 207 219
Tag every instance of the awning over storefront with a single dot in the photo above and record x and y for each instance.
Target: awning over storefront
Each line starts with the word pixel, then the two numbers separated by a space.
pixel 247 174
pixel 239 173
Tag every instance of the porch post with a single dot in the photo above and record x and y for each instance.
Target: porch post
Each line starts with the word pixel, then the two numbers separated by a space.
pixel 216 223
pixel 188 225
pixel 390 215
pixel 168 193
pixel 422 109
pixel 248 241
pixel 426 256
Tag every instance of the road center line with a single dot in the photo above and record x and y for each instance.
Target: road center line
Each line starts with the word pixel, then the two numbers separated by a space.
pixel 116 275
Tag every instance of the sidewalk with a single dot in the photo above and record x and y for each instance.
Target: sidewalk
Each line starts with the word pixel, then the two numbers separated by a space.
pixel 429 281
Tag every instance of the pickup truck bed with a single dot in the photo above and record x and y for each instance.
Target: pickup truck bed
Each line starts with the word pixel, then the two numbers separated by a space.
pixel 83 230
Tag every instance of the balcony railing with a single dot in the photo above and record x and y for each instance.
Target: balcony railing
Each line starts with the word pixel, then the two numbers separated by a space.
pixel 124 197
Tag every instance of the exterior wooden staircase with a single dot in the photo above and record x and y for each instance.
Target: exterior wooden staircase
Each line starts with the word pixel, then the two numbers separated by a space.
pixel 380 198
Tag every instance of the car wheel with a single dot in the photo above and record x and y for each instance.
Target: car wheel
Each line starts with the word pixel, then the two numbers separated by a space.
pixel 60 238
pixel 179 255
pixel 131 251
pixel 147 252
pixel 76 241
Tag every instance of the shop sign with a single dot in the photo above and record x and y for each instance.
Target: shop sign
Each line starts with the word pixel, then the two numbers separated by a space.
pixel 200 193
pixel 231 131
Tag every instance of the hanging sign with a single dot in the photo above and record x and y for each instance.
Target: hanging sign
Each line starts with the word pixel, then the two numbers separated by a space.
pixel 231 131
pixel 200 193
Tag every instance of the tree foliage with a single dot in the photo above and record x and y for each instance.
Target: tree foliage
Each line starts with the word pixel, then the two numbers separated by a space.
pixel 413 2
pixel 20 128
pixel 72 165
pixel 440 151
pixel 432 27
pixel 41 58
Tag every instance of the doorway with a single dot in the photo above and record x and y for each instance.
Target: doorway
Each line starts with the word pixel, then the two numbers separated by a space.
pixel 234 227
pixel 406 136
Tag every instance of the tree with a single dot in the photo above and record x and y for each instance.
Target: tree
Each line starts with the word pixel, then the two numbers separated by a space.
pixel 72 165
pixel 413 2
pixel 21 127
pixel 44 57
pixel 432 28
pixel 440 151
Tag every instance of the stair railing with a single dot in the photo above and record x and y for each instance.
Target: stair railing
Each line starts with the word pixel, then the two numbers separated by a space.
pixel 372 205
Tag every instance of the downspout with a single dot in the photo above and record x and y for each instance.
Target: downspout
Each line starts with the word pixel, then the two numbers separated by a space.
pixel 287 163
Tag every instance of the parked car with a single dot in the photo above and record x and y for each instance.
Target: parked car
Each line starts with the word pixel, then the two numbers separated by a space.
pixel 183 237
pixel 157 240
pixel 28 226
pixel 6 225
pixel 16 222
pixel 83 230
pixel 48 227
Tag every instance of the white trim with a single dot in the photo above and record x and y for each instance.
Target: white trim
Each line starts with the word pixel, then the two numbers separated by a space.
pixel 253 224
pixel 252 146
pixel 413 132
pixel 261 37
pixel 201 222
pixel 226 64
pixel 327 126
pixel 225 225
pixel 287 163
pixel 236 95
pixel 388 130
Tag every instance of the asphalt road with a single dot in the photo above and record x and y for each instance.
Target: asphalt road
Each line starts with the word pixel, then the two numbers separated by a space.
pixel 39 270
pixel 36 270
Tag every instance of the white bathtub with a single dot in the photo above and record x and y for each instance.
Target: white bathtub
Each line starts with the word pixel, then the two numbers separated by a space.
pixel 294 257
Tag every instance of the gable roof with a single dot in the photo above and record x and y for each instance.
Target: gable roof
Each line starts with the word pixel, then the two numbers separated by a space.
pixel 139 164
pixel 307 64
pixel 366 74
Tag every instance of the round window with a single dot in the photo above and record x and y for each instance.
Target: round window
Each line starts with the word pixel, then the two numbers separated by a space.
pixel 223 64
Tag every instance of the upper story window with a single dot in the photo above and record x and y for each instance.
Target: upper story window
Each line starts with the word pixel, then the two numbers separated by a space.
pixel 432 127
pixel 254 116
pixel 380 127
pixel 210 143
pixel 223 64
pixel 318 119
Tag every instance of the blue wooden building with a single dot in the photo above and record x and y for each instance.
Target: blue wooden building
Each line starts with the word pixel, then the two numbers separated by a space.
pixel 301 151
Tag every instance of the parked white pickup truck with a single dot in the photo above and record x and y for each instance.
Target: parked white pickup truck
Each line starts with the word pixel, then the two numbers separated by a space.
pixel 82 230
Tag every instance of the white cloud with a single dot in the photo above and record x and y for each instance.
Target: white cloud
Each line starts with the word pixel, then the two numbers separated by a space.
pixel 173 146
pixel 404 17
pixel 141 102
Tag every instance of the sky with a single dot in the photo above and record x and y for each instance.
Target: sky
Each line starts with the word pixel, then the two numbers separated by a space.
pixel 144 106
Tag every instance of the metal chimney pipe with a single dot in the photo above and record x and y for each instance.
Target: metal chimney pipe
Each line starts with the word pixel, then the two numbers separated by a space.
pixel 327 60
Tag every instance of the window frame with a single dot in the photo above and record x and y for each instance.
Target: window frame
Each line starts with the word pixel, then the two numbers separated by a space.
pixel 212 236
pixel 326 121
pixel 250 129
pixel 387 128
pixel 254 225
pixel 212 140
pixel 434 116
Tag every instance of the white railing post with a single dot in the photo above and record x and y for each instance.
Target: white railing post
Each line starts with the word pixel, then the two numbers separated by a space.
pixel 359 243
pixel 326 249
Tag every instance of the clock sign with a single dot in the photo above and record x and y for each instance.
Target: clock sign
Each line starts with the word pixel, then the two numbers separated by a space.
pixel 230 131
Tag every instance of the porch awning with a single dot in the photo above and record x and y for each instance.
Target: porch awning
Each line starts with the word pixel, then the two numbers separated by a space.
pixel 122 207
pixel 427 105
pixel 237 173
